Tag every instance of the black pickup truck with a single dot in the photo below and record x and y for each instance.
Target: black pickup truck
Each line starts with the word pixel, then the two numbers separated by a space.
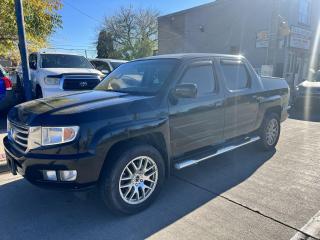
pixel 145 119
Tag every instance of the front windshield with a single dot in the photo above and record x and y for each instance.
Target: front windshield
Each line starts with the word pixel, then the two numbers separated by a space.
pixel 144 76
pixel 64 61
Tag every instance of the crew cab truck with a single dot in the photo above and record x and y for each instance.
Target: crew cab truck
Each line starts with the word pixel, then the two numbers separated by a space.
pixel 53 74
pixel 145 119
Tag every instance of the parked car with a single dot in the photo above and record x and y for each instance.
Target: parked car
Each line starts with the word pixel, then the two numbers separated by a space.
pixel 307 94
pixel 170 111
pixel 56 73
pixel 7 94
pixel 105 65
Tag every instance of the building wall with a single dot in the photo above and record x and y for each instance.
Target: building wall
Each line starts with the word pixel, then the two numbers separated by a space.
pixel 231 26
pixel 225 26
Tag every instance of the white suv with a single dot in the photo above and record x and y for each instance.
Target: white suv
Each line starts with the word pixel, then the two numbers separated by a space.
pixel 52 74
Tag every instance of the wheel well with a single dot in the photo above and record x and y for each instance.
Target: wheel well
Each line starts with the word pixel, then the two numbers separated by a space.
pixel 276 110
pixel 154 139
pixel 38 87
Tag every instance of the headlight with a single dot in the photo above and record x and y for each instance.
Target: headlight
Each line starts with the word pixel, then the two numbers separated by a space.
pixel 44 136
pixel 57 135
pixel 52 81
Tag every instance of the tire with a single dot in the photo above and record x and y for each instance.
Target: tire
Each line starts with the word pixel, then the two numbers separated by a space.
pixel 126 196
pixel 39 92
pixel 269 132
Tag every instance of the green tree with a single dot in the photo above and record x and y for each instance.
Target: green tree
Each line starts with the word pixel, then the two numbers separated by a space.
pixel 134 32
pixel 105 48
pixel 41 20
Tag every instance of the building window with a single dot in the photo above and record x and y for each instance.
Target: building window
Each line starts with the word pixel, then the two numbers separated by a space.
pixel 305 12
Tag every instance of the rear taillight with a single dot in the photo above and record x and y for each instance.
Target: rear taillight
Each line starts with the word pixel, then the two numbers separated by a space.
pixel 7 83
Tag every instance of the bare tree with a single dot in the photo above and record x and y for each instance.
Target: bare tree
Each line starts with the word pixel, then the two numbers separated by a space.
pixel 134 32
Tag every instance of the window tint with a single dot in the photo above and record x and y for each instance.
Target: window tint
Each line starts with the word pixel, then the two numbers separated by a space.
pixel 33 61
pixel 64 61
pixel 143 76
pixel 100 65
pixel 115 64
pixel 236 76
pixel 202 76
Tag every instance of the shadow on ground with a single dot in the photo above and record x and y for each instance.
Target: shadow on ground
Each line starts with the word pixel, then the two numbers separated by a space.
pixel 27 212
pixel 310 114
pixel 3 122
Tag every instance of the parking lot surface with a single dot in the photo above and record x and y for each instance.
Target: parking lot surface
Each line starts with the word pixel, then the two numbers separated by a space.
pixel 245 194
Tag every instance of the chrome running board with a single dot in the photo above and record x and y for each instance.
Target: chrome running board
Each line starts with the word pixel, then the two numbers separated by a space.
pixel 190 162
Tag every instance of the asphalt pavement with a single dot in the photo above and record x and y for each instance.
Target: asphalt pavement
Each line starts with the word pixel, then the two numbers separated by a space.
pixel 245 194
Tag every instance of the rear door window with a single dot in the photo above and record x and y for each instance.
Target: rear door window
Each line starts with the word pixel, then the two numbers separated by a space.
pixel 236 75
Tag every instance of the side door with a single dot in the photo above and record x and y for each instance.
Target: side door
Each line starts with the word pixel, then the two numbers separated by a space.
pixel 197 122
pixel 241 105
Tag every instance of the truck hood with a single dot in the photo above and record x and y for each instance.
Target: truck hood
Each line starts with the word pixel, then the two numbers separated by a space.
pixel 309 84
pixel 87 103
pixel 58 71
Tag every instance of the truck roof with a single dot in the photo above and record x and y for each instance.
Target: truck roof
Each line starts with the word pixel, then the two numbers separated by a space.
pixel 185 56
pixel 58 53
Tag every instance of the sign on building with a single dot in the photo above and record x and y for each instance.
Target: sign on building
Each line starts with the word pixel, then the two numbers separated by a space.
pixel 262 39
pixel 300 38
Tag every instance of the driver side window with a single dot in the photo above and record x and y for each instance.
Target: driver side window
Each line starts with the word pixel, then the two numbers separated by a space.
pixel 202 76
pixel 33 61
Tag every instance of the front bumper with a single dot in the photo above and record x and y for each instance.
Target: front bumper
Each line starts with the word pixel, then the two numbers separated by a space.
pixel 31 167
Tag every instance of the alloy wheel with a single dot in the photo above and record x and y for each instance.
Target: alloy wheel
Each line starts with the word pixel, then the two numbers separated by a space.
pixel 138 180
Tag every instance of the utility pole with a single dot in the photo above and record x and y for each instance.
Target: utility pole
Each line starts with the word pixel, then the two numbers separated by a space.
pixel 23 49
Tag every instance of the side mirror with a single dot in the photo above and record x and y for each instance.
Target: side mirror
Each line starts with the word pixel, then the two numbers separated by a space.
pixel 105 72
pixel 185 90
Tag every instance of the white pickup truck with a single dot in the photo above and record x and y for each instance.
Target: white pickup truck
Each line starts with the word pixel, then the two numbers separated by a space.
pixel 53 74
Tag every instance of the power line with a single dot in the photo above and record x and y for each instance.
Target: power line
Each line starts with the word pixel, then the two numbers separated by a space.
pixel 73 45
pixel 71 49
pixel 82 12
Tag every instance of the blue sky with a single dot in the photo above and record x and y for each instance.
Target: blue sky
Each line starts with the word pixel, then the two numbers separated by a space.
pixel 82 18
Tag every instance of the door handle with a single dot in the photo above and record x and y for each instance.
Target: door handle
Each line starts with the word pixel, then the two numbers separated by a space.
pixel 258 98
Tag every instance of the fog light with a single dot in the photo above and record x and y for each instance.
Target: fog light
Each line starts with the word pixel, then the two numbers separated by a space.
pixel 69 175
pixel 49 175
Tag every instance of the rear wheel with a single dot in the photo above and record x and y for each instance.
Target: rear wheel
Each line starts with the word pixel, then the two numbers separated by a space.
pixel 269 132
pixel 134 181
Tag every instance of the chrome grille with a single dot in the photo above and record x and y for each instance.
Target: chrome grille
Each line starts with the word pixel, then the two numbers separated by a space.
pixel 19 134
pixel 80 82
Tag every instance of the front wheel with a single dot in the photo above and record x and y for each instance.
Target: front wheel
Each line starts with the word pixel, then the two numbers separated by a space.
pixel 269 132
pixel 134 181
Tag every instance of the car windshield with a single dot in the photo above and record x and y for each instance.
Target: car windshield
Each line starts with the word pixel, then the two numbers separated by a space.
pixel 116 64
pixel 64 61
pixel 144 76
